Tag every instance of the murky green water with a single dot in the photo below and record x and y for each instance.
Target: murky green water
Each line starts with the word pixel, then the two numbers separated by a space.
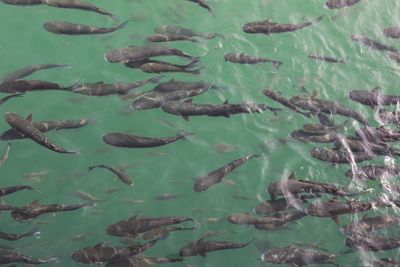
pixel 171 168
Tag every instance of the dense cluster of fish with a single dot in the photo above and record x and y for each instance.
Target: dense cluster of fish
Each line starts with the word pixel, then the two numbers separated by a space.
pixel 291 198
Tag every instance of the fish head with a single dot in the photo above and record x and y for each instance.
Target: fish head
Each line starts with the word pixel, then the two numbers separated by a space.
pixel 115 55
pixel 50 26
pixel 20 215
pixel 189 250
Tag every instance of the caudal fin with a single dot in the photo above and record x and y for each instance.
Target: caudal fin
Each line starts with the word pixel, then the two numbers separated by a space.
pixel 277 64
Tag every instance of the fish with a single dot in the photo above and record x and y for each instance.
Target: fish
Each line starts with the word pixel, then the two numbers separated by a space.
pixel 373 98
pixel 205 182
pixel 339 156
pixel 280 204
pixel 179 31
pixel 379 135
pixel 138 225
pixel 224 148
pixel 5 99
pixel 268 27
pixel 386 262
pixel 315 105
pixel 246 59
pixel 318 129
pixel 373 172
pixel 305 136
pixel 10 255
pixel 22 86
pixel 22 2
pixel 275 221
pixel 389 117
pixel 369 225
pixel 102 253
pixel 162 67
pixel 294 186
pixel 26 71
pixel 157 38
pixel 164 230
pixel 14 237
pixel 328 59
pixel 141 261
pixel 133 141
pixel 372 242
pixel 373 44
pixel 77 4
pixel 174 86
pixel 45 126
pixel 26 128
pixel 63 27
pixel 5 155
pixel 36 209
pixel 137 53
pixel 12 189
pixel 392 32
pixel 277 96
pixel 202 247
pixel 298 255
pixel 354 145
pixel 123 176
pixel 167 196
pixel 85 196
pixel 336 4
pixel 201 3
pixel 187 108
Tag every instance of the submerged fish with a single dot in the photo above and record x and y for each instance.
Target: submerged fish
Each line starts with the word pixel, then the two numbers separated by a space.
pixel 26 71
pixel 339 156
pixel 22 2
pixel 170 38
pixel 392 32
pixel 328 59
pixel 336 4
pixel 63 27
pixel 123 176
pixel 373 44
pixel 22 86
pixel 141 261
pixel 277 96
pixel 373 172
pixel 246 59
pixel 178 31
pixel 12 189
pixel 201 3
pixel 14 237
pixel 162 67
pixel 133 141
pixel 373 98
pixel 10 255
pixel 77 4
pixel 269 27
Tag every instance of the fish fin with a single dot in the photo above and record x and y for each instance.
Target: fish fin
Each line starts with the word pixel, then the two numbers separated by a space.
pixel 91 168
pixel 188 100
pixel 225 102
pixel 156 79
pixel 29 117
pixel 35 203
pixel 292 176
pixel 333 200
pixel 336 219
pixel 185 117
pixel 277 64
pixel 100 245
pixel 133 218
pixel 226 116
pixel 203 254
pixel 122 25
pixel 318 19
pixel 376 89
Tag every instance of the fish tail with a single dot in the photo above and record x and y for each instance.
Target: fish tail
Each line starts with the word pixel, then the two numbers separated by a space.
pixel 195 71
pixel 120 26
pixel 92 167
pixel 274 110
pixel 34 231
pixel 277 64
pixel 90 204
pixel 184 134
pixel 318 19
pixel 72 86
pixel 156 79
pixel 251 241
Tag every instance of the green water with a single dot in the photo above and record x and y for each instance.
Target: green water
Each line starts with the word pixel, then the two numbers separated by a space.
pixel 171 168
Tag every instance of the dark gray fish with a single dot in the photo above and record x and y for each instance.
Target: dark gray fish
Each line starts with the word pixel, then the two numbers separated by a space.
pixel 205 182
pixel 269 27
pixel 369 225
pixel 77 4
pixel 173 86
pixel 298 255
pixel 22 2
pixel 277 96
pixel 339 156
pixel 373 44
pixel 392 32
pixel 246 59
pixel 157 38
pixel 21 73
pixel 378 135
pixel 328 59
pixel 386 262
pixel 22 86
pixel 382 149
pixel 27 129
pixel 137 53
pixel 201 247
pixel 187 108
pixel 9 255
pixel 373 98
pixel 336 4
pixel 373 172
pixel 201 3
pixel 388 117
pixel 325 106
pixel 36 209
pixel 101 253
pixel 162 67
pixel 5 99
pixel 133 141
pixel 45 126
pixel 372 242
pixel 14 237
pixel 123 176
pixel 294 186
pixel 305 136
pixel 137 225
pixel 178 31
pixel 12 189
pixel 164 231
pixel 63 27
pixel 276 205
pixel 102 89
pixel 141 262
pixel 318 129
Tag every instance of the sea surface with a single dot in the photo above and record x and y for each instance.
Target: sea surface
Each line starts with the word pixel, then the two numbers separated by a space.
pixel 217 140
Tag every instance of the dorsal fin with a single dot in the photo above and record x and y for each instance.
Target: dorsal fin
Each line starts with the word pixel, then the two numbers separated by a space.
pixel 225 102
pixel 29 117
pixel 376 89
pixel 34 203
pixel 100 245
pixel 134 217
pixel 292 176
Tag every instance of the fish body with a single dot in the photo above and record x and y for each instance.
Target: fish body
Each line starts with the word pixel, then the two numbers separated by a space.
pixel 277 96
pixel 26 128
pixel 373 98
pixel 372 242
pixel 179 31
pixel 386 262
pixel 141 261
pixel 269 27
pixel 201 3
pixel 339 156
pixel 174 86
pixel 369 225
pixel 123 176
pixel 10 255
pixel 164 231
pixel 202 247
pixel 327 59
pixel 63 27
pixel 157 38
pixel 336 4
pixel 14 237
pixel 246 59
pixel 163 67
pixel 392 32
pixel 380 134
pixel 26 71
pixel 12 189
pixel 137 225
pixel 133 141
pixel 355 145
pixel 373 172
pixel 280 204
pixel 216 176
pixel 305 136
pixel 389 117
pixel 136 53
pixel 22 2
pixel 22 86
pixel 77 4
pixel 373 44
